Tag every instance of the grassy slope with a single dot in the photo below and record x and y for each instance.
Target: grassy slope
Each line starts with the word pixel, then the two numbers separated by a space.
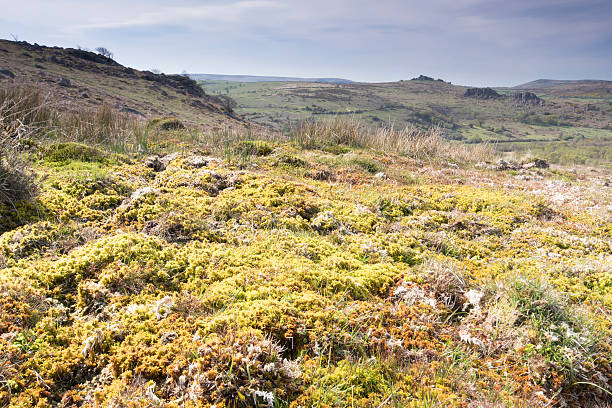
pixel 299 278
pixel 584 126
pixel 578 89
pixel 103 83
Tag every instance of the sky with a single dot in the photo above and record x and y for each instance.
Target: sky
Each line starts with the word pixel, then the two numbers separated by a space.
pixel 467 42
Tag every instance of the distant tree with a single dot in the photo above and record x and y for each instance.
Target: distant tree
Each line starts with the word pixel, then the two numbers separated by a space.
pixel 185 73
pixel 15 37
pixel 155 71
pixel 104 51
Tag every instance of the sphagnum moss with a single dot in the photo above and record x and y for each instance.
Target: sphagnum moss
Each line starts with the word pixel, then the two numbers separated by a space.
pixel 218 286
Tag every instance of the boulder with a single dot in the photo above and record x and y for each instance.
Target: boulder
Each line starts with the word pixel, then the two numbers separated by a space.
pixel 132 111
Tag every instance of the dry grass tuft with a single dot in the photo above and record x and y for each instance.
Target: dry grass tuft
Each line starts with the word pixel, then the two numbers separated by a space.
pixel 22 112
pixel 410 141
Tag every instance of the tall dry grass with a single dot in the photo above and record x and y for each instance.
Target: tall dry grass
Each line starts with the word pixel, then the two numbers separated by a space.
pixel 104 126
pixel 23 112
pixel 27 112
pixel 413 142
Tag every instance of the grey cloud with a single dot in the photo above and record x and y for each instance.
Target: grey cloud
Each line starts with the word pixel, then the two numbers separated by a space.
pixel 480 41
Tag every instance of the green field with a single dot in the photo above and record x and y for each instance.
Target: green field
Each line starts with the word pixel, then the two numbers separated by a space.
pixel 569 130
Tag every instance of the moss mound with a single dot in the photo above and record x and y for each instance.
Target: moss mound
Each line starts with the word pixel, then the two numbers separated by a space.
pixel 65 152
pixel 167 123
pixel 253 148
pixel 266 284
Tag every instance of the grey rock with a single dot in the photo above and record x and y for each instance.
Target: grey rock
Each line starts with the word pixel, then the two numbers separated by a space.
pixel 380 176
pixel 538 164
pixel 481 93
pixel 504 165
pixel 198 161
pixel 155 163
pixel 6 73
pixel 527 98
pixel 168 337
pixel 132 111
pixel 159 163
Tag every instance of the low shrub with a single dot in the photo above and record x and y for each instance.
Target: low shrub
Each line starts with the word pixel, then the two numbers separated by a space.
pixel 64 152
pixel 368 165
pixel 253 148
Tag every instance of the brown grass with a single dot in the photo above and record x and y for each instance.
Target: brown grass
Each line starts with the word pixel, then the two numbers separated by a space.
pixel 416 143
pixel 22 112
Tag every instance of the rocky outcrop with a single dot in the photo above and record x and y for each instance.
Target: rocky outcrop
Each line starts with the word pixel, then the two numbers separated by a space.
pixel 423 78
pixel 481 93
pixel 179 82
pixel 527 98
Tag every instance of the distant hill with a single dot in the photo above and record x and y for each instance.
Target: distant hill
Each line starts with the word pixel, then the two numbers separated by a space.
pixel 255 78
pixel 593 88
pixel 76 79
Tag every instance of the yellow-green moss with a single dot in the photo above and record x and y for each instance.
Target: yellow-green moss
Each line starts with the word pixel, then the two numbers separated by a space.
pixel 234 286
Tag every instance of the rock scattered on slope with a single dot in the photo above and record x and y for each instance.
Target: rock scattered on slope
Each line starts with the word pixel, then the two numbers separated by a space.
pixel 64 82
pixel 159 163
pixel 507 165
pixel 132 111
pixel 512 165
pixel 537 163
pixel 6 73
pixel 198 161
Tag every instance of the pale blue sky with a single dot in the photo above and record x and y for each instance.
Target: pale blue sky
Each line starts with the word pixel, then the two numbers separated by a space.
pixel 475 42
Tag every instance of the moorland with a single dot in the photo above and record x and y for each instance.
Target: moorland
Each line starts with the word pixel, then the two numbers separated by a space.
pixel 185 256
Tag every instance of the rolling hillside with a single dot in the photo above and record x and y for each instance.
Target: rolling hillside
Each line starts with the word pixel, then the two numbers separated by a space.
pixel 587 88
pixel 75 79
pixel 570 130
pixel 256 78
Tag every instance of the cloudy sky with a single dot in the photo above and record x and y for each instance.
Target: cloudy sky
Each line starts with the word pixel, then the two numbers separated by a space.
pixel 472 42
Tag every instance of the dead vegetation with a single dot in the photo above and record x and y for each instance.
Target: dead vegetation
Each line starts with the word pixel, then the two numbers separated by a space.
pixel 410 141
pixel 22 113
